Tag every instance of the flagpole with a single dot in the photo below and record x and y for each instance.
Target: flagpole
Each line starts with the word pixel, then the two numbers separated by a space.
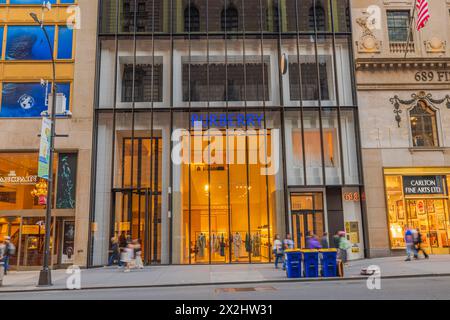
pixel 410 28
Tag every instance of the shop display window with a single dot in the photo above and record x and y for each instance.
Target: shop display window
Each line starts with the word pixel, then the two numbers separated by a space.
pixel 427 213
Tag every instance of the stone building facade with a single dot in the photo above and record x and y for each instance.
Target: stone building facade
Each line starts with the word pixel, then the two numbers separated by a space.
pixel 404 102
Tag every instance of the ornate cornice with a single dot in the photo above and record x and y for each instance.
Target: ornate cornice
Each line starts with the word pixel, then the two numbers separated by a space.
pixel 399 63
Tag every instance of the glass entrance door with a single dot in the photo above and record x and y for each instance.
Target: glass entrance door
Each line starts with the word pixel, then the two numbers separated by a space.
pixel 137 203
pixel 307 217
pixel 430 216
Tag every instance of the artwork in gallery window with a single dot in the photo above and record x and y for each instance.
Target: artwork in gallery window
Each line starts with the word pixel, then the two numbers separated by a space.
pixel 441 222
pixel 421 207
pixel 432 221
pixel 444 238
pixel 430 206
pixel 400 210
pixel 392 215
pixel 434 239
pixel 412 210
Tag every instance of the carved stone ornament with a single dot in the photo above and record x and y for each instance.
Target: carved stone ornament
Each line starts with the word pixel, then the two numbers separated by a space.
pixel 367 43
pixel 415 98
pixel 435 45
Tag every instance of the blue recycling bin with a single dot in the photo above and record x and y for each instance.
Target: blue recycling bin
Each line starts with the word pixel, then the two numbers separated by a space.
pixel 293 260
pixel 328 262
pixel 311 263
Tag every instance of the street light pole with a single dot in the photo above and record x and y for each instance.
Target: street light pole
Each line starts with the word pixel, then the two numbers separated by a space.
pixel 45 276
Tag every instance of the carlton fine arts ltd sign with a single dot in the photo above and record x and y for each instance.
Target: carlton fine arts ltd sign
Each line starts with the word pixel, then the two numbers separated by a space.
pixel 422 185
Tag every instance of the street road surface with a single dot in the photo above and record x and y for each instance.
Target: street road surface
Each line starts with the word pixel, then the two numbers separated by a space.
pixel 406 288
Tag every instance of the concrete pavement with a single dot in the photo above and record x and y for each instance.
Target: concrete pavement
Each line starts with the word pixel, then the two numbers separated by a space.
pixel 166 276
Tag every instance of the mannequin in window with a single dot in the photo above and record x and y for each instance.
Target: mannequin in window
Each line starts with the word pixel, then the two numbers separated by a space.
pixel 237 241
pixel 201 245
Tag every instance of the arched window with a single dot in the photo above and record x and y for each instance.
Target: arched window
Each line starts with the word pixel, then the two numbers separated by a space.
pixel 191 19
pixel 423 125
pixel 230 19
pixel 320 18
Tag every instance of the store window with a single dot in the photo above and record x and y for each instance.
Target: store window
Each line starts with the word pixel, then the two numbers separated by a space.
pixel 421 203
pixel 19 181
pixel 423 125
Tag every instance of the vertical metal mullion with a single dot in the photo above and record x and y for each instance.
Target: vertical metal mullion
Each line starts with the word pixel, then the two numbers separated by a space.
pixel 336 85
pixel 300 92
pixel 139 164
pixel 282 121
pixel 227 135
pixel 171 130
pixel 208 113
pixel 116 61
pixel 133 103
pixel 319 100
pixel 190 134
pixel 265 122
pixel 152 149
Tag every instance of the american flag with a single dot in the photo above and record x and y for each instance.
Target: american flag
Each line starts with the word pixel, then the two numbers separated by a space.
pixel 423 13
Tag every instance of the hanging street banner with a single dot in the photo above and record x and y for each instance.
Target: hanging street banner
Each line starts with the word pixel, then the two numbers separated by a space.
pixel 44 149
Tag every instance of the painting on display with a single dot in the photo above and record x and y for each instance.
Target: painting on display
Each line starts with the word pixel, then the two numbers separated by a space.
pixel 68 242
pixel 434 242
pixel 430 206
pixel 421 207
pixel 66 183
pixel 400 210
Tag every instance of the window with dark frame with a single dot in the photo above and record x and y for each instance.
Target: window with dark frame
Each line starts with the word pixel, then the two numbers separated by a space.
pixel 423 125
pixel 398 25
pixel 191 19
pixel 230 19
pixel 319 12
pixel 195 88
pixel 142 83
pixel 309 88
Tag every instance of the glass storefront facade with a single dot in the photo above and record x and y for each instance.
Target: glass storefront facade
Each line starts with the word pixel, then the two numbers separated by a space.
pixel 22 215
pixel 210 114
pixel 418 198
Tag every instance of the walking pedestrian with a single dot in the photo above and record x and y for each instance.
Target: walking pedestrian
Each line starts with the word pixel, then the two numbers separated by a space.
pixel 2 260
pixel 127 256
pixel 277 250
pixel 344 245
pixel 336 240
pixel 409 240
pixel 324 241
pixel 313 242
pixel 418 244
pixel 138 254
pixel 288 243
pixel 9 250
pixel 114 252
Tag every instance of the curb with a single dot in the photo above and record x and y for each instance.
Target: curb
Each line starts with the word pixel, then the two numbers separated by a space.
pixel 201 284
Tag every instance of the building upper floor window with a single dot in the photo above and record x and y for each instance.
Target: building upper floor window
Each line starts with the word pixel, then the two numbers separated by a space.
pixel 398 25
pixel 29 43
pixel 308 84
pixel 230 19
pixel 319 12
pixel 141 16
pixel 145 89
pixel 424 125
pixel 231 82
pixel 191 19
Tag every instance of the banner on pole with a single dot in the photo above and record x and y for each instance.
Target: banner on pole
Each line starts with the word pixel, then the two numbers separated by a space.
pixel 44 149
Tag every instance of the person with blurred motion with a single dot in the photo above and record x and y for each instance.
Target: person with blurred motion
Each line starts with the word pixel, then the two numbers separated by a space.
pixel 344 245
pixel 409 240
pixel 139 264
pixel 324 241
pixel 418 244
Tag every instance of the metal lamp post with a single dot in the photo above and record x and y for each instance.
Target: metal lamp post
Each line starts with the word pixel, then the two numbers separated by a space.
pixel 45 276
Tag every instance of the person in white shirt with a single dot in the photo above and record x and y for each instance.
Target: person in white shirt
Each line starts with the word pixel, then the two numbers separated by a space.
pixel 277 250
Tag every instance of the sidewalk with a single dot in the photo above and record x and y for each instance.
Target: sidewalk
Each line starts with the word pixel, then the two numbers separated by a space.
pixel 112 277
